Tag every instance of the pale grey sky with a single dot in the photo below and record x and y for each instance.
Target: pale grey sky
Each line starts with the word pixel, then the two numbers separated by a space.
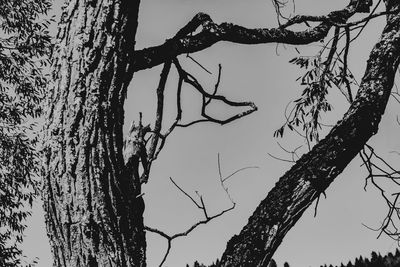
pixel 258 74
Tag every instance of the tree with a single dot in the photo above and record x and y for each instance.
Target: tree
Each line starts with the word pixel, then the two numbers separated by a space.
pixel 24 46
pixel 93 177
pixel 376 260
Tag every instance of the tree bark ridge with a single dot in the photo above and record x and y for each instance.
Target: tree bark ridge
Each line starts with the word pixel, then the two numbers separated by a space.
pixel 94 211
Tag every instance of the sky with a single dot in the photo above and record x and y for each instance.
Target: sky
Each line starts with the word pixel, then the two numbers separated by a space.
pixel 262 74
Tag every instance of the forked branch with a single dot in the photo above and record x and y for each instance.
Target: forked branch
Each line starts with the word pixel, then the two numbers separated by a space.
pixel 143 144
pixel 200 204
pixel 208 97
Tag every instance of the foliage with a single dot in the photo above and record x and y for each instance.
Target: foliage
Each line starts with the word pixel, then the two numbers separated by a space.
pixel 197 264
pixel 376 260
pixel 24 49
pixel 318 77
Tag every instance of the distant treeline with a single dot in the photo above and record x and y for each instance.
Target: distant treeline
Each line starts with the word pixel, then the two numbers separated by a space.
pixel 376 260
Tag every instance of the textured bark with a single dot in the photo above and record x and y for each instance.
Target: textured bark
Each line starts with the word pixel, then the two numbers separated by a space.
pixel 94 212
pixel 315 171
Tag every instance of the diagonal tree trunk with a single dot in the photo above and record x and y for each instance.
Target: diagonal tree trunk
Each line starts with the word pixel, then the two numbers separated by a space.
pixel 316 170
pixel 92 200
pixel 94 212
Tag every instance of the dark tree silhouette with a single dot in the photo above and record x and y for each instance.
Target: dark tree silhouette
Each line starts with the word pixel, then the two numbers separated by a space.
pixel 93 177
pixel 375 260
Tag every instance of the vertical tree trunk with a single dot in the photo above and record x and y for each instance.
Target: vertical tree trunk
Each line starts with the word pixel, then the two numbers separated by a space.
pixel 94 212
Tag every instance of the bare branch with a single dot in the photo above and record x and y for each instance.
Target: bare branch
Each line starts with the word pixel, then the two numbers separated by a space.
pixel 207 97
pixel 185 42
pixel 366 22
pixel 177 118
pixel 156 231
pixel 345 57
pixel 298 19
pixel 194 226
pixel 293 154
pixel 367 19
pixel 239 170
pixel 201 206
pixel 160 110
pixel 279 5
pixel 280 159
pixel 199 64
pixel 186 194
pixel 166 253
pixel 156 132
pixel 378 169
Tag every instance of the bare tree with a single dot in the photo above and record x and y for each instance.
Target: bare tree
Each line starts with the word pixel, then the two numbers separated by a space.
pixel 93 177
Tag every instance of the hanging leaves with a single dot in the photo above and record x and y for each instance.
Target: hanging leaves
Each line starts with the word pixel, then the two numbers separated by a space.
pixel 317 78
pixel 24 49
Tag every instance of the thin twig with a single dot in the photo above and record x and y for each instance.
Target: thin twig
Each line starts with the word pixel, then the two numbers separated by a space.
pixel 198 63
pixel 200 205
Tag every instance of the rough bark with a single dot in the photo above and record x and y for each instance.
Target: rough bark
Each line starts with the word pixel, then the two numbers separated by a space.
pixel 94 212
pixel 315 171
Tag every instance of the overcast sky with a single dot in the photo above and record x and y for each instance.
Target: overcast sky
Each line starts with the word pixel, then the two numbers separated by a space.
pixel 263 75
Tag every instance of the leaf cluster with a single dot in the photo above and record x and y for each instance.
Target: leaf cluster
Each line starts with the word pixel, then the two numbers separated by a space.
pixel 25 46
pixel 317 79
pixel 308 107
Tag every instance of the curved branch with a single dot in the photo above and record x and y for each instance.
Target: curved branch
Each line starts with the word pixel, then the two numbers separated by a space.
pixel 211 33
